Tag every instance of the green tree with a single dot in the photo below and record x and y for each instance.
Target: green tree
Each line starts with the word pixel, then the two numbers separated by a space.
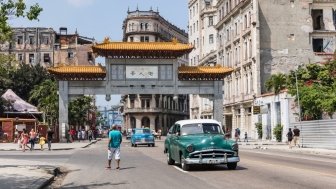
pixel 277 131
pixel 15 9
pixel 79 110
pixel 276 83
pixel 46 97
pixel 259 129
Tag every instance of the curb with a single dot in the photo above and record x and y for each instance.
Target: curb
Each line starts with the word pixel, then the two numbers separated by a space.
pixel 94 142
pixel 54 172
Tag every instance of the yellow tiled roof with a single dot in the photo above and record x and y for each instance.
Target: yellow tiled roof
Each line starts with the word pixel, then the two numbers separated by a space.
pixel 204 70
pixel 143 46
pixel 77 70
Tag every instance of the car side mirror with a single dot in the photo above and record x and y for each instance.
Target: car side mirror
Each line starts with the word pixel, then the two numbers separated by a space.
pixel 177 133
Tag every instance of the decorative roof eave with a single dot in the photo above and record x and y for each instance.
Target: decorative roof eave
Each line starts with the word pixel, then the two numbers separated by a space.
pixel 203 72
pixel 141 49
pixel 78 72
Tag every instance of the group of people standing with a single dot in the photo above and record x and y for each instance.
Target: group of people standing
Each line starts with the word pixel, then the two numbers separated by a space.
pixel 24 138
pixel 81 134
pixel 293 137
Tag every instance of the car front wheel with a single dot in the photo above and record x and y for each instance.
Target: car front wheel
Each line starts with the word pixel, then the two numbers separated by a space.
pixel 170 161
pixel 184 166
pixel 232 166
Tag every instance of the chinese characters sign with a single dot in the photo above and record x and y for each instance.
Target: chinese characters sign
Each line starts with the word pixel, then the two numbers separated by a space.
pixel 141 72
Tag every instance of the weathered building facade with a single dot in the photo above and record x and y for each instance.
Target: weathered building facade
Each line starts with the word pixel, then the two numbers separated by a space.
pixel 46 47
pixel 153 110
pixel 258 38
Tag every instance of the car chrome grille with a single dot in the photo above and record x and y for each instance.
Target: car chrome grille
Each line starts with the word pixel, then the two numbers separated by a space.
pixel 211 154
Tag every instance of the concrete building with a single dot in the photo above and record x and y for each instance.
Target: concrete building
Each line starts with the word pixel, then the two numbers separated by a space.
pixel 152 110
pixel 46 47
pixel 258 38
pixel 203 36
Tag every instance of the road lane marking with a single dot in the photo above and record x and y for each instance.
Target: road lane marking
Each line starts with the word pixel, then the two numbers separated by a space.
pixel 178 168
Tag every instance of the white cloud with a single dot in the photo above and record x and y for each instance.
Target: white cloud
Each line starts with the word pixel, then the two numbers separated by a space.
pixel 80 3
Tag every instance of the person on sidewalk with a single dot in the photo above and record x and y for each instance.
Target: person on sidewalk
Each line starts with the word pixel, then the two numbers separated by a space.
pixel 245 137
pixel 296 139
pixel 90 133
pixel 79 135
pixel 42 142
pixel 24 139
pixel 290 137
pixel 32 139
pixel 49 137
pixel 115 139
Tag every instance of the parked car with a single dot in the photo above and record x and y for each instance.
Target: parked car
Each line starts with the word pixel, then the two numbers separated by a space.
pixel 200 141
pixel 142 136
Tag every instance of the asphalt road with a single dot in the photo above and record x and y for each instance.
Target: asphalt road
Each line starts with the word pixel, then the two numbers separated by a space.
pixel 146 168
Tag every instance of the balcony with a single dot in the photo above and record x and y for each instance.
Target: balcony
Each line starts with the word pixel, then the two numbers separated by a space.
pixel 154 110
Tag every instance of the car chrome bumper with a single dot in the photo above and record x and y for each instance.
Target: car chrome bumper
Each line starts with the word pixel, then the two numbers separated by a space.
pixel 212 160
pixel 140 143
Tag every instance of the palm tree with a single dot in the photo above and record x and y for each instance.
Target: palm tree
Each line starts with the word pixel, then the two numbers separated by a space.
pixel 276 83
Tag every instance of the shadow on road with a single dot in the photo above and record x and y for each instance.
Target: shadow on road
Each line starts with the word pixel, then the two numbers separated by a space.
pixel 72 186
pixel 124 168
pixel 203 168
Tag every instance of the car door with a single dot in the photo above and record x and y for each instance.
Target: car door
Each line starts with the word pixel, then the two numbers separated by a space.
pixel 168 141
pixel 175 141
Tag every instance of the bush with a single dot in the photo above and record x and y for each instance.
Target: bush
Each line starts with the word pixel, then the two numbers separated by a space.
pixel 277 131
pixel 259 129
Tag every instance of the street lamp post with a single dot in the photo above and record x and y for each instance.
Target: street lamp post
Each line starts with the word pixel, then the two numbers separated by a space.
pixel 298 97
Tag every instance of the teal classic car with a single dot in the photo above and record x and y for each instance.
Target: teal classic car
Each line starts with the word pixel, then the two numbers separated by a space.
pixel 200 141
pixel 142 136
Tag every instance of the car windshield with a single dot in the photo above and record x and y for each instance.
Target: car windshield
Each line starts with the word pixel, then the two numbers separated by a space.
pixel 142 131
pixel 198 128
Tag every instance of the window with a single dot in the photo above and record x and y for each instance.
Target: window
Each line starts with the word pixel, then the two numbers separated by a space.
pixel 146 38
pixel 20 57
pixel 131 39
pixel 46 57
pixel 210 20
pixel 318 45
pixel 70 55
pixel 31 40
pixel 90 56
pixel 46 40
pixel 141 26
pixel 317 16
pixel 146 26
pixel 19 40
pixel 31 58
pixel 142 38
pixel 211 39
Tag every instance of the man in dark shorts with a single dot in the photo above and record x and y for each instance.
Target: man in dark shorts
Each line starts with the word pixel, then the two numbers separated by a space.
pixel 49 138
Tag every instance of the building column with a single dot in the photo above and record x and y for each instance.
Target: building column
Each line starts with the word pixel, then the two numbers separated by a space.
pixel 63 104
pixel 218 101
pixel 153 101
pixel 138 122
pixel 160 101
pixel 242 120
pixel 128 101
pixel 152 122
pixel 137 102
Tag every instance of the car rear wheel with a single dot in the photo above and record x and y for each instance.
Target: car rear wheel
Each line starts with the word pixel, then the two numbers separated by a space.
pixel 153 145
pixel 184 166
pixel 135 145
pixel 232 166
pixel 170 161
pixel 149 145
pixel 132 144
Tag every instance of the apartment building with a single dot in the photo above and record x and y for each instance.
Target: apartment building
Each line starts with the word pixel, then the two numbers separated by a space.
pixel 258 38
pixel 203 36
pixel 46 47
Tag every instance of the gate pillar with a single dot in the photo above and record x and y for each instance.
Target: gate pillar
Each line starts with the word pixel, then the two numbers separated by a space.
pixel 63 103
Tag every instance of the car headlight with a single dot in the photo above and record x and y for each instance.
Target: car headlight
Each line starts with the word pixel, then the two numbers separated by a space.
pixel 235 147
pixel 190 148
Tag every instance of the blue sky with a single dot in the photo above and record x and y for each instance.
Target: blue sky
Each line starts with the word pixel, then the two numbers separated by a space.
pixel 101 18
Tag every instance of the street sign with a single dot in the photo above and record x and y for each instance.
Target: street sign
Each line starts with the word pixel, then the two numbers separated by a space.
pixel 256 109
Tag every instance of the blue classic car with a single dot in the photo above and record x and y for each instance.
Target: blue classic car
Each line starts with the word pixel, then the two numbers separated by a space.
pixel 142 136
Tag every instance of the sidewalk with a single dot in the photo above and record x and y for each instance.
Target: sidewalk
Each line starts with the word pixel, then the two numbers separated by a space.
pixel 283 147
pixel 19 174
pixel 54 146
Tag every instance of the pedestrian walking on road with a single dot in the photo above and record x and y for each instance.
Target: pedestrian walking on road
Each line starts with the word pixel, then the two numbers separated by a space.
pixel 90 133
pixel 115 139
pixel 79 135
pixel 49 137
pixel 296 138
pixel 83 134
pixel 32 135
pixel 290 137
pixel 245 138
